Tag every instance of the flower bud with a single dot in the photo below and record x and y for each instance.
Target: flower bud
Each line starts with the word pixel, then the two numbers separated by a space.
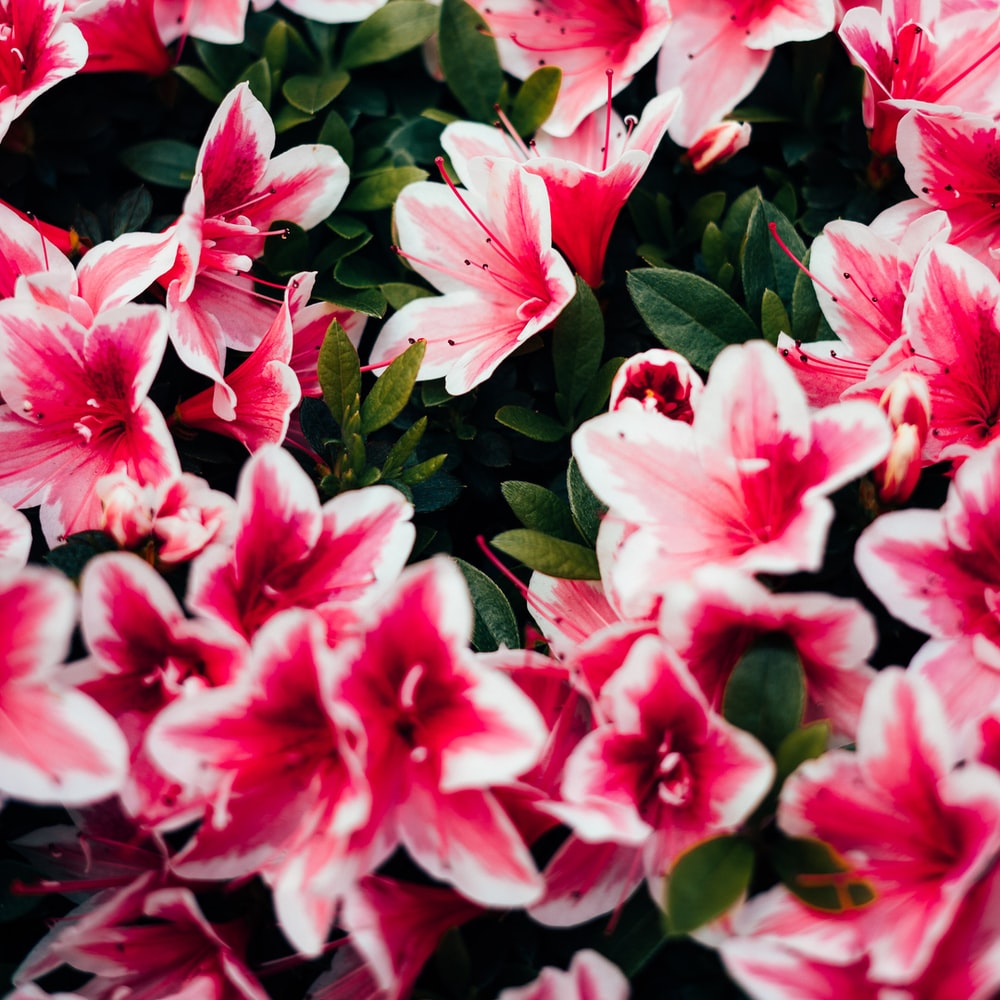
pixel 717 144
pixel 658 380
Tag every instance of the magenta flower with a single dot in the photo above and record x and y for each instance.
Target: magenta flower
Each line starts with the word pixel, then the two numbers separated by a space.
pixel 122 36
pixel 38 48
pixel 663 770
pixel 290 552
pixel 599 164
pixel 919 826
pixel 660 381
pixel 15 540
pixel 56 745
pixel 489 250
pixel 758 469
pixel 76 408
pixel 584 39
pixel 444 727
pixel 590 975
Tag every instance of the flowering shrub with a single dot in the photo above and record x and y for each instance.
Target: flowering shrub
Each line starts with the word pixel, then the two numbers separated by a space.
pixel 499 499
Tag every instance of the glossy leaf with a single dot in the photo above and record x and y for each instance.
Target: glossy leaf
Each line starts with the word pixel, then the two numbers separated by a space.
pixel 469 59
pixel 166 162
pixel 530 423
pixel 540 509
pixel 773 317
pixel 535 99
pixel 311 93
pixel 577 345
pixel 587 510
pixel 495 624
pixel 553 556
pixel 389 32
pixel 392 390
pixel 765 264
pixel 339 371
pixel 819 876
pixel 381 189
pixel 706 881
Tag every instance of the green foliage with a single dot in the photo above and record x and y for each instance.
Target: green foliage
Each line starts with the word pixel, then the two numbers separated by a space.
pixel 766 692
pixel 705 881
pixel 162 161
pixel 535 99
pixel 469 59
pixel 380 189
pixel 765 264
pixel 495 624
pixel 554 556
pixel 689 314
pixel 587 510
pixel 540 509
pixel 577 345
pixel 311 92
pixel 819 876
pixel 389 32
pixel 530 423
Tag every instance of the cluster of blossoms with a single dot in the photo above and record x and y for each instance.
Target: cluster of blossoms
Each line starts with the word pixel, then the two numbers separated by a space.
pixel 307 708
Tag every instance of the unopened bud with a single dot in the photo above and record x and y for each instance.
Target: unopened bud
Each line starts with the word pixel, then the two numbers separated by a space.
pixel 658 380
pixel 717 144
pixel 907 400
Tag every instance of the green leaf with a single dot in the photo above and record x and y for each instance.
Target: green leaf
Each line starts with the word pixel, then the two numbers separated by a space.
pixel 595 399
pixel 166 162
pixel 275 49
pixel 535 100
pixel 689 314
pixel 131 211
pixel 713 250
pixel 203 84
pixel 469 59
pixel 773 317
pixel 766 692
pixel 78 550
pixel 311 93
pixel 705 881
pixel 530 423
pixel 806 313
pixel 707 209
pixel 805 743
pixel 495 624
pixel 540 509
pixel 765 264
pixel 737 219
pixel 819 876
pixel 369 301
pixel 393 389
pixel 289 254
pixel 422 471
pixel 379 190
pixel 224 62
pixel 587 510
pixel 403 448
pixel 288 117
pixel 577 345
pixel 398 293
pixel 390 31
pixel 553 556
pixel 258 76
pixel 339 370
pixel 335 132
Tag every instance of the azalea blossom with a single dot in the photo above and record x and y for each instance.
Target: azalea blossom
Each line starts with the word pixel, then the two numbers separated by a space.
pixel 76 408
pixel 584 39
pixel 122 36
pixel 717 144
pixel 39 47
pixel 489 249
pixel 589 975
pixel 658 380
pixel 601 163
pixel 57 745
pixel 326 11
pixel 920 827
pixel 759 467
pixel 717 51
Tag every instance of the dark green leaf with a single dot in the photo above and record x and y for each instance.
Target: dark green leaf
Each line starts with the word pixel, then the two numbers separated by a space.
pixel 403 448
pixel 713 250
pixel 586 508
pixel 224 62
pixel 536 426
pixel 311 93
pixel 288 117
pixel 380 190
pixel 287 255
pixel 412 475
pixel 737 220
pixel 765 264
pixel 801 745
pixel 317 424
pixel 418 140
pixel 773 317
pixel 14 905
pixel 495 624
pixel 766 691
pixel 595 399
pixel 203 84
pixel 705 881
pixel 535 100
pixel 807 318
pixel 469 59
pixel 166 162
pixel 706 209
pixel 369 301
pixel 819 876
pixel 554 556
pixel 131 211
pixel 393 389
pixel 390 31
pixel 398 293
pixel 689 314
pixel 540 509
pixel 360 271
pixel 339 371
pixel 577 345
pixel 258 76
pixel 336 133
pixel 78 550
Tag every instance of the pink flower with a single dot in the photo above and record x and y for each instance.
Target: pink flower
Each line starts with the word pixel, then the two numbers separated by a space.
pixel 915 54
pixel 237 191
pixel 56 745
pixel 660 381
pixel 489 249
pixel 179 518
pixel 152 942
pixel 758 469
pixel 76 408
pixel 15 540
pixel 289 551
pixel 907 403
pixel 938 570
pixel 584 40
pixel 717 144
pixel 38 48
pixel 144 654
pixel 122 36
pixel 919 827
pixel 663 771
pixel 599 164
pixel 444 727
pixel 280 761
pixel 717 51
pixel 590 975
pixel 327 11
